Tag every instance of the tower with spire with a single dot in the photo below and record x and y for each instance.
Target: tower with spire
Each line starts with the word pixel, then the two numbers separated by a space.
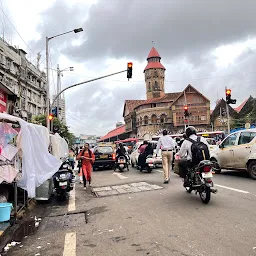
pixel 154 75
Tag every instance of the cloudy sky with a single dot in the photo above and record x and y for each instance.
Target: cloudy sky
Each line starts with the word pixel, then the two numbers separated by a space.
pixel 207 43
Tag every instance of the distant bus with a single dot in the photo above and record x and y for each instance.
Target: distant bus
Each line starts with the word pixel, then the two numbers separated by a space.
pixel 130 142
pixel 217 135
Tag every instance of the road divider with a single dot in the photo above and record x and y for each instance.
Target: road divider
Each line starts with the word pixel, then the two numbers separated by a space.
pixel 70 244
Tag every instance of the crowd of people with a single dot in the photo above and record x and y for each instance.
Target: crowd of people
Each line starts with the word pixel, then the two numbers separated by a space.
pixel 185 155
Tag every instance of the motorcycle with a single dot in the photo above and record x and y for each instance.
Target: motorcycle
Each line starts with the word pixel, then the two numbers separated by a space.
pixel 149 164
pixel 64 180
pixel 200 180
pixel 122 163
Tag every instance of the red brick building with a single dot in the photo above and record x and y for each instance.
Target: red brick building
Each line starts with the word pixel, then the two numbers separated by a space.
pixel 146 118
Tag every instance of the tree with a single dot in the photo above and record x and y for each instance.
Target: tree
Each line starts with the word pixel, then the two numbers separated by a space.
pixel 59 126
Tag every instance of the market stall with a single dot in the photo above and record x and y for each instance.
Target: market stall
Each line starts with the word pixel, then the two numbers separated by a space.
pixel 25 162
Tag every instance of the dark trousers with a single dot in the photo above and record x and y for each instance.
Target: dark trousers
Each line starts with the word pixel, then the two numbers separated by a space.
pixel 84 179
pixel 184 165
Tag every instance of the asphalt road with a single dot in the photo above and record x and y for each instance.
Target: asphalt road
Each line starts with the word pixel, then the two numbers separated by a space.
pixel 165 221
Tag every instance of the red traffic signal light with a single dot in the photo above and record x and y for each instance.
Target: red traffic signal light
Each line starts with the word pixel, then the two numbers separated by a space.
pixel 129 70
pixel 185 107
pixel 228 92
pixel 50 117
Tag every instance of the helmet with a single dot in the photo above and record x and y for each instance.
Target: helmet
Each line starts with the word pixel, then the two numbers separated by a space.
pixel 190 130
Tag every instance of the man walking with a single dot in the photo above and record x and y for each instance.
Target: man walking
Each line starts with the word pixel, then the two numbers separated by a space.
pixel 167 145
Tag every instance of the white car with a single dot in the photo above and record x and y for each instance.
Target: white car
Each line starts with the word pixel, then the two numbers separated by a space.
pixel 135 154
pixel 237 151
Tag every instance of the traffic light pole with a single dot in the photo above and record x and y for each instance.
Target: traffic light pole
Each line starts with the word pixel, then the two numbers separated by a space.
pixel 228 117
pixel 85 82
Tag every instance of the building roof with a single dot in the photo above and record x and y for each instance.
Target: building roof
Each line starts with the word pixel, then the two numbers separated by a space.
pixel 154 65
pixel 166 98
pixel 132 104
pixel 117 131
pixel 239 108
pixel 153 53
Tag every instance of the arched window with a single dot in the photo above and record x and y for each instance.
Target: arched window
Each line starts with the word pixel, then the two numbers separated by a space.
pixel 140 120
pixel 156 86
pixel 145 119
pixel 154 119
pixel 163 118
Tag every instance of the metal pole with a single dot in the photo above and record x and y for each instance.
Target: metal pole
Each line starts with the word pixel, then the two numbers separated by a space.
pixel 47 85
pixel 227 110
pixel 58 88
pixel 85 82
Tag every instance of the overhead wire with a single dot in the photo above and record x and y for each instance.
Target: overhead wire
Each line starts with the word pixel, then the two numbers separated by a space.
pixel 15 29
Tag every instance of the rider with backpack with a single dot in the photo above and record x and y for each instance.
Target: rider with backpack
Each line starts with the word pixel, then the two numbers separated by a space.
pixel 193 150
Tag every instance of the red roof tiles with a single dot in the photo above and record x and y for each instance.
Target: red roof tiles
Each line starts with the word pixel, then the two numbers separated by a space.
pixel 239 108
pixel 117 131
pixel 154 65
pixel 153 53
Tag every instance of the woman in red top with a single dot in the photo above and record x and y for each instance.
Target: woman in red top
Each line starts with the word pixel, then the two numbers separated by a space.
pixel 87 157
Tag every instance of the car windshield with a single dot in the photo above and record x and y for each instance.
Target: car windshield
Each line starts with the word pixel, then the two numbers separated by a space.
pixel 104 150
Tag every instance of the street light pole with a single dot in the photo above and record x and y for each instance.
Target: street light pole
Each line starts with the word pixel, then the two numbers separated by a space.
pixel 48 109
pixel 47 85
pixel 58 89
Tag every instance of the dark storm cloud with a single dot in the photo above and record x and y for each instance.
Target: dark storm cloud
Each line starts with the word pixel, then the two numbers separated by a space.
pixel 120 28
pixel 185 34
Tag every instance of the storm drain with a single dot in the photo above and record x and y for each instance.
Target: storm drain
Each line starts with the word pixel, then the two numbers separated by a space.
pixel 124 189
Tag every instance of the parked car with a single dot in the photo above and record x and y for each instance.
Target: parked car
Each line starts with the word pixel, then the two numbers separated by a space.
pixel 105 157
pixel 237 151
pixel 135 154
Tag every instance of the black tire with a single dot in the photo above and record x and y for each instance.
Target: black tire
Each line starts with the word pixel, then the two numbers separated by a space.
pixel 252 169
pixel 132 164
pixel 149 170
pixel 216 166
pixel 206 195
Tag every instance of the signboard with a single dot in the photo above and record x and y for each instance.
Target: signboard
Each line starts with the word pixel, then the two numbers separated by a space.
pixel 3 100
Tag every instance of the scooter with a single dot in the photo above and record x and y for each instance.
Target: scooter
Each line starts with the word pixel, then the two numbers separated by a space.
pixel 64 180
pixel 149 164
pixel 122 163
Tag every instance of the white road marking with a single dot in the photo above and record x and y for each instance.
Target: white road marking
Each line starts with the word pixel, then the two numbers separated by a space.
pixel 72 200
pixel 70 244
pixel 122 177
pixel 234 189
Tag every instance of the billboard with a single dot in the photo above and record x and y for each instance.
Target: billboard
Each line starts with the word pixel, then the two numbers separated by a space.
pixel 3 101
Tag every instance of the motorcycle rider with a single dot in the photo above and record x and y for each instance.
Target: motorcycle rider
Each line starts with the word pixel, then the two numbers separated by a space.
pixel 121 151
pixel 185 152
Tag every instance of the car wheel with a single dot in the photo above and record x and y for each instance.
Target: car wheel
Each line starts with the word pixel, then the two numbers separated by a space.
pixel 216 166
pixel 252 169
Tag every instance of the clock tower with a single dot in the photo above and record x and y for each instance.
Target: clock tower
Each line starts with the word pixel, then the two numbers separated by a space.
pixel 154 75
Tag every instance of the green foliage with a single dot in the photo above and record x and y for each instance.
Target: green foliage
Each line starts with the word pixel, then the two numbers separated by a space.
pixel 62 128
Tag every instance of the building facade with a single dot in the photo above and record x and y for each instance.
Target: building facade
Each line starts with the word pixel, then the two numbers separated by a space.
pixel 148 118
pixel 22 79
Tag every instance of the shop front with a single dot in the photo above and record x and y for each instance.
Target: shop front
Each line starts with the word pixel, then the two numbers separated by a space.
pixel 7 100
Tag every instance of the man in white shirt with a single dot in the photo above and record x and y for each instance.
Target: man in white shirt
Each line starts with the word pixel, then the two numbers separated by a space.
pixel 167 145
pixel 185 151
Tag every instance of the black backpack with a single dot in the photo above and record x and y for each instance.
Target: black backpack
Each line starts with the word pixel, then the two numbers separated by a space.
pixel 199 151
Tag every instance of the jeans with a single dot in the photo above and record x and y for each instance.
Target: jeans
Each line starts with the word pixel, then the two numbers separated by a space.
pixel 184 165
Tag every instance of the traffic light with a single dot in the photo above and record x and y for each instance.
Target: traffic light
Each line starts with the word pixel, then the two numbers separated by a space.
pixel 129 70
pixel 186 114
pixel 51 117
pixel 228 97
pixel 54 112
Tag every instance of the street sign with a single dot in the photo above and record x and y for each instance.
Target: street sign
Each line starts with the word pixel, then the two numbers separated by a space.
pixel 247 126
